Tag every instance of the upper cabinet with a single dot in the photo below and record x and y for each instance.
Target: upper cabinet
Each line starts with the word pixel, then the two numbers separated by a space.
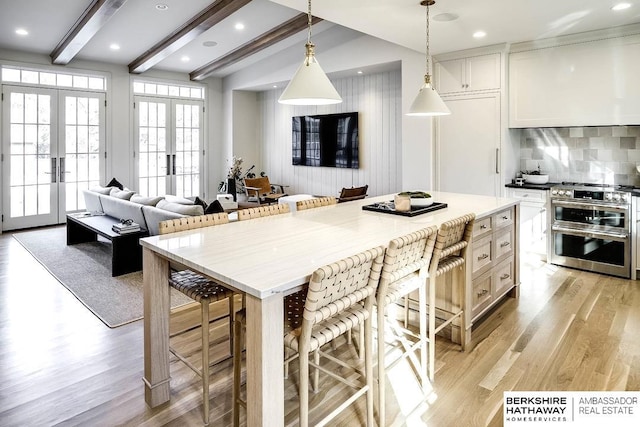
pixel 593 83
pixel 476 73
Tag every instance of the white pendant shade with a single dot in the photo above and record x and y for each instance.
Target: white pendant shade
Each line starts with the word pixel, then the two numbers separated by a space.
pixel 310 85
pixel 428 103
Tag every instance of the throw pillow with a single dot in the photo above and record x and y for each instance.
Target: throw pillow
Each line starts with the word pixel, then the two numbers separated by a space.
pixel 199 201
pixel 114 183
pixel 148 201
pixel 121 194
pixel 191 210
pixel 101 190
pixel 176 199
pixel 214 207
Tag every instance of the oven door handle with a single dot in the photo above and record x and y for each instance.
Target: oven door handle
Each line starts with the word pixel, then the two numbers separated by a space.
pixel 590 206
pixel 586 233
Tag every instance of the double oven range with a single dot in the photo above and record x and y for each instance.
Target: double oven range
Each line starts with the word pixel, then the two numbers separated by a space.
pixel 591 227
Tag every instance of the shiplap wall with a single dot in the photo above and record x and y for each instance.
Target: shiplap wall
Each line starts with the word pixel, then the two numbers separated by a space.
pixel 377 98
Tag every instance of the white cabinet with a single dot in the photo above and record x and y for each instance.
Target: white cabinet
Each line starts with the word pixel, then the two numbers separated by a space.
pixel 468 74
pixel 533 220
pixel 467 145
pixel 592 83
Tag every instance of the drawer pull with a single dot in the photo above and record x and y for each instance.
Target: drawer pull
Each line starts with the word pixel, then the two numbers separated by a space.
pixel 483 227
pixel 503 244
pixel 505 276
pixel 483 256
pixel 482 292
pixel 505 217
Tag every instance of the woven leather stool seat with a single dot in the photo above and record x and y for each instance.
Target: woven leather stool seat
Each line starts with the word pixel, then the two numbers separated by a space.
pixel 198 287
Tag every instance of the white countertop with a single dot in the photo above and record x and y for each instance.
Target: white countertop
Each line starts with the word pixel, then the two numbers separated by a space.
pixel 274 254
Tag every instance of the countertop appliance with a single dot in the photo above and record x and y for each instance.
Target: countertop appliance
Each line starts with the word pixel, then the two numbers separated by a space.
pixel 591 227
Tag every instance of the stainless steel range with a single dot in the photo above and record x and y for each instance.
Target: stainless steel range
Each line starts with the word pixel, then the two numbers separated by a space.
pixel 591 227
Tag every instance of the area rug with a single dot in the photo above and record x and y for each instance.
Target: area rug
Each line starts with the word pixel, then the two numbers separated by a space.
pixel 85 270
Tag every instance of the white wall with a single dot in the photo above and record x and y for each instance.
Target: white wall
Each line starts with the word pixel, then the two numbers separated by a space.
pixel 410 136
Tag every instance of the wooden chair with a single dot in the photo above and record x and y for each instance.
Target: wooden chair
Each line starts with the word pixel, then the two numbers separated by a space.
pixel 405 270
pixel 449 253
pixel 258 212
pixel 339 297
pixel 203 290
pixel 262 191
pixel 353 193
pixel 316 202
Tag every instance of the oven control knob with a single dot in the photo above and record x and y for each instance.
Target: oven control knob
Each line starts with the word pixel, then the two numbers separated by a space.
pixel 616 197
pixel 608 196
pixel 560 192
pixel 623 197
pixel 554 192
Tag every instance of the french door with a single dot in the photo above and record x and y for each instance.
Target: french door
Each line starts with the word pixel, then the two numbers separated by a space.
pixel 53 148
pixel 169 151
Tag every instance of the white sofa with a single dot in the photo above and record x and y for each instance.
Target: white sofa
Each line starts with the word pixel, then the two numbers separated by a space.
pixel 146 211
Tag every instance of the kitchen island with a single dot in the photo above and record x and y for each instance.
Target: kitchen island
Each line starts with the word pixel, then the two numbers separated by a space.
pixel 266 258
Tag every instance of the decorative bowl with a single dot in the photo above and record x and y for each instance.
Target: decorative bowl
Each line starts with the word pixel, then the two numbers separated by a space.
pixel 417 198
pixel 536 179
pixel 421 202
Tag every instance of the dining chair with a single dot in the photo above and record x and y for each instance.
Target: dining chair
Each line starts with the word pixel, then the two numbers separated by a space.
pixel 260 211
pixel 449 253
pixel 405 270
pixel 339 297
pixel 203 290
pixel 316 202
pixel 353 193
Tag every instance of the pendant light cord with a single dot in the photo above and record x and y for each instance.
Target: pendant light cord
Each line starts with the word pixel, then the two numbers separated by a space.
pixel 309 22
pixel 428 71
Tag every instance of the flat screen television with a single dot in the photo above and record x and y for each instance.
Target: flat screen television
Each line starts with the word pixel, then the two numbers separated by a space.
pixel 329 140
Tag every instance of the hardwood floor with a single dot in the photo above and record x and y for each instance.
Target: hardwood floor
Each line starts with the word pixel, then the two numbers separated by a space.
pixel 60 365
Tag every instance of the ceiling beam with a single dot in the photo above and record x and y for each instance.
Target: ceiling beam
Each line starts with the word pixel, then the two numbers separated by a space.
pixel 92 19
pixel 263 41
pixel 206 19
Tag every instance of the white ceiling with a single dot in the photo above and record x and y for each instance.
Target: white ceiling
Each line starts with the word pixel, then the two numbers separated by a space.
pixel 138 25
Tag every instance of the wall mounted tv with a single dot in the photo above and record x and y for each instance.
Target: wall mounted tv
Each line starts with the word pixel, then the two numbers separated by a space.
pixel 326 140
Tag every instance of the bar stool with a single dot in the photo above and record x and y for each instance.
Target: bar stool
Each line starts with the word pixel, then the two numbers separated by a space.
pixel 404 271
pixel 258 212
pixel 340 296
pixel 202 290
pixel 449 252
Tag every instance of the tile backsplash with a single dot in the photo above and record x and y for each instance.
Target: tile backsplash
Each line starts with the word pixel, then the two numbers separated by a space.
pixel 607 155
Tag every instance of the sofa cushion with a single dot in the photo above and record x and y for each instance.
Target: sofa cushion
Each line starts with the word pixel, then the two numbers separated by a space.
pixel 147 201
pixel 123 209
pixel 177 199
pixel 190 210
pixel 101 190
pixel 114 183
pixel 154 215
pixel 121 194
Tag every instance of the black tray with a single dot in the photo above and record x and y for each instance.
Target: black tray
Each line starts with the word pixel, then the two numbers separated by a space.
pixel 389 207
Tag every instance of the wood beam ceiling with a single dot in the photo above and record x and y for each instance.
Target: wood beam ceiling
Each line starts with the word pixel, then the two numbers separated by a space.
pixel 206 19
pixel 92 19
pixel 275 35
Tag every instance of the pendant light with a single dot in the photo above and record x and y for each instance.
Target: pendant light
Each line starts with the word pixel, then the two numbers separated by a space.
pixel 428 102
pixel 310 85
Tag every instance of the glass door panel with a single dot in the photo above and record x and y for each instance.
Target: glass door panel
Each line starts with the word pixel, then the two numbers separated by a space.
pixel 153 157
pixel 30 147
pixel 188 148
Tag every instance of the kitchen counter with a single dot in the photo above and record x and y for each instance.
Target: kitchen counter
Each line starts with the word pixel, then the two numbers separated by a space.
pixel 546 186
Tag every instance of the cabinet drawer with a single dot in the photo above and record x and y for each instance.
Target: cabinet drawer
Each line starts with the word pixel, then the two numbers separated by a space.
pixel 481 254
pixel 502 219
pixel 481 294
pixel 532 196
pixel 503 278
pixel 504 243
pixel 481 226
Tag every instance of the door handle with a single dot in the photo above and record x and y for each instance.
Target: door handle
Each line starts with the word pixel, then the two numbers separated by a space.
pixel 54 170
pixel 497 160
pixel 168 164
pixel 174 164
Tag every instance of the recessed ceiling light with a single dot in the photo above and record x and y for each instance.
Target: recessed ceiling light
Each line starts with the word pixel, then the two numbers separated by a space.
pixel 445 17
pixel 275 86
pixel 114 46
pixel 239 26
pixel 209 43
pixel 479 34
pixel 22 32
pixel 621 6
pixel 185 59
pixel 360 72
pixel 161 6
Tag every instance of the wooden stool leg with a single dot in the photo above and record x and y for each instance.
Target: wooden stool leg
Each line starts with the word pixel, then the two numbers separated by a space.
pixel 205 360
pixel 237 366
pixel 431 283
pixel 382 379
pixel 368 366
pixel 422 313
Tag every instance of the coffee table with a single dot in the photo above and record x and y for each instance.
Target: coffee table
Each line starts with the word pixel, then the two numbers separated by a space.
pixel 126 255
